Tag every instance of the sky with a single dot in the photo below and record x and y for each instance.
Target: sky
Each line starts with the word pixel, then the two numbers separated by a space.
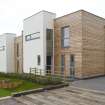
pixel 12 12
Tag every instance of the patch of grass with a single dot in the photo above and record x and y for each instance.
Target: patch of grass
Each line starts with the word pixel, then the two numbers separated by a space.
pixel 29 81
pixel 26 85
pixel 4 92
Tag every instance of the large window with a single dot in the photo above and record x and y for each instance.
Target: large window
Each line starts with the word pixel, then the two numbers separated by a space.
pixel 38 59
pixel 62 64
pixel 65 39
pixel 49 34
pixel 32 36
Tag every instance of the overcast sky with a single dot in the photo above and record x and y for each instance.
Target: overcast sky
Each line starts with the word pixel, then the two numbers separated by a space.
pixel 12 12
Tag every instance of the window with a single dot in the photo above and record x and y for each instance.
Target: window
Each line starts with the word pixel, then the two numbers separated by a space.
pixel 62 63
pixel 65 39
pixel 17 50
pixel 27 38
pixel 32 36
pixel 38 59
pixel 17 66
pixel 49 34
pixel 35 35
pixel 72 60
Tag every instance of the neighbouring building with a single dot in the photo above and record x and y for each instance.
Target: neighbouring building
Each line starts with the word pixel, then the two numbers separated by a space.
pixel 7 60
pixel 19 54
pixel 38 41
pixel 80 44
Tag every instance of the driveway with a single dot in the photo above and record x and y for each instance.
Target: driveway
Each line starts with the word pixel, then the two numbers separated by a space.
pixel 10 101
pixel 94 84
pixel 63 96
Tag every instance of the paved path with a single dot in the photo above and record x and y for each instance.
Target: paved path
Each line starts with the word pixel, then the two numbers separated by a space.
pixel 10 102
pixel 64 96
pixel 94 84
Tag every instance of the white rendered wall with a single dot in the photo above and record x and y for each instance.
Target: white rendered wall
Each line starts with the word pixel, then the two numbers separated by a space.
pixel 31 49
pixel 7 55
pixel 10 53
pixel 3 60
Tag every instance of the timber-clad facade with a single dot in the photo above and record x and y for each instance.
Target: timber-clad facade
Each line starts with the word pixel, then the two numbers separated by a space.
pixel 87 44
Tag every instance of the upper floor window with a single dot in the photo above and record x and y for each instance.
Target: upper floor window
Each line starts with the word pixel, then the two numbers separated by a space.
pixel 27 38
pixel 32 36
pixel 65 38
pixel 49 34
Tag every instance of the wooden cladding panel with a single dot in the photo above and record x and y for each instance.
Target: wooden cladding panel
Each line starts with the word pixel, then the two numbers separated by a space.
pixel 93 52
pixel 74 22
pixel 87 43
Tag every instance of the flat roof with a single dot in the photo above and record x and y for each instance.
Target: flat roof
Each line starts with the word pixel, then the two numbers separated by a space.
pixel 6 34
pixel 38 13
pixel 80 11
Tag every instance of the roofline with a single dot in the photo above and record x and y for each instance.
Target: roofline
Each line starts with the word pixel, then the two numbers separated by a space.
pixel 80 11
pixel 6 34
pixel 68 14
pixel 94 14
pixel 38 13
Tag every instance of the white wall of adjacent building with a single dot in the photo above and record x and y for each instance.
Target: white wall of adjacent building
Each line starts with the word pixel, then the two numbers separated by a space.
pixel 7 53
pixel 36 26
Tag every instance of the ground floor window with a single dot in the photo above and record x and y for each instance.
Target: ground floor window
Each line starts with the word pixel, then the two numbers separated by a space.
pixel 72 66
pixel 38 60
pixel 71 60
pixel 62 63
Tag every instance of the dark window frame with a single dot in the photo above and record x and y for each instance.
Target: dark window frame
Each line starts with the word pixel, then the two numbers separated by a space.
pixel 30 37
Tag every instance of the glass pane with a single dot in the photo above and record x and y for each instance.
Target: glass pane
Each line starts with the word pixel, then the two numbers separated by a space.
pixel 39 60
pixel 49 34
pixel 35 35
pixel 28 37
pixel 66 32
pixel 62 62
pixel 66 42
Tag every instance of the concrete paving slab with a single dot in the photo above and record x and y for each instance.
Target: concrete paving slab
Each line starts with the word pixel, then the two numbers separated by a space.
pixel 93 84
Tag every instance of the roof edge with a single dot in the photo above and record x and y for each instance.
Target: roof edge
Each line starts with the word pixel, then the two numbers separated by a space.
pixel 38 13
pixel 81 10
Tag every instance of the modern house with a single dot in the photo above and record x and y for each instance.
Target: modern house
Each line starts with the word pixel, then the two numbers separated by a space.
pixel 80 44
pixel 7 60
pixel 19 54
pixel 72 45
pixel 38 41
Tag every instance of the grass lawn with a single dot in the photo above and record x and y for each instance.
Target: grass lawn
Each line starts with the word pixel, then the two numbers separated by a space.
pixel 26 85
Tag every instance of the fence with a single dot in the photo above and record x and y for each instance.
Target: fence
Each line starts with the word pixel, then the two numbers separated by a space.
pixel 66 73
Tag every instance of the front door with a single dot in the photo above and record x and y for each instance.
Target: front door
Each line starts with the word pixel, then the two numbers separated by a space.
pixel 72 66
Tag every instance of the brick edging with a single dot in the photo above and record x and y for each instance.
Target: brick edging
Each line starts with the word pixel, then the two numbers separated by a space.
pixel 39 90
pixel 4 98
